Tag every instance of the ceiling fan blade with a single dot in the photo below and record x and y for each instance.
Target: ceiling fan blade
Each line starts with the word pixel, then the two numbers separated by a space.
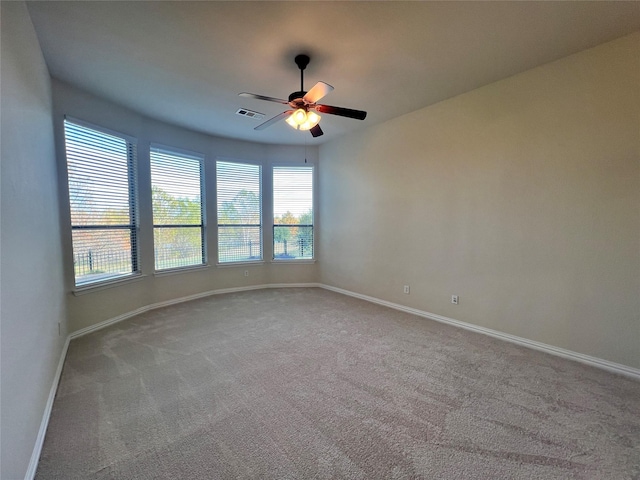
pixel 318 91
pixel 273 120
pixel 343 112
pixel 316 131
pixel 262 97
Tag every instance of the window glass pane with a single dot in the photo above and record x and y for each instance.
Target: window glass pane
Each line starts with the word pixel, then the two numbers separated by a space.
pixel 176 188
pixel 101 254
pixel 239 201
pixel 101 179
pixel 177 247
pixel 293 212
pixel 239 244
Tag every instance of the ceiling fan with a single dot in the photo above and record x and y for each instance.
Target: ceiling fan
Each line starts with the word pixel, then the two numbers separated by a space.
pixel 304 106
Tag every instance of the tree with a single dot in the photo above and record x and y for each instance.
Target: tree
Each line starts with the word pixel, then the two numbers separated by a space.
pixel 285 233
pixel 305 234
pixel 173 244
pixel 244 211
pixel 295 238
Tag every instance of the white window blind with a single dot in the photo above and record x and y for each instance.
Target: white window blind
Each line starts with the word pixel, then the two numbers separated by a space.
pixel 239 199
pixel 293 212
pixel 178 228
pixel 102 180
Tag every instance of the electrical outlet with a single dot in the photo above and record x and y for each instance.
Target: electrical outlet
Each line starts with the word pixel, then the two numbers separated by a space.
pixel 454 299
pixel 246 273
pixel 407 289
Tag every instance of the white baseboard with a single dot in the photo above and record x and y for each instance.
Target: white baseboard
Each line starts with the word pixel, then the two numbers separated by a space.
pixel 153 306
pixel 543 347
pixel 37 449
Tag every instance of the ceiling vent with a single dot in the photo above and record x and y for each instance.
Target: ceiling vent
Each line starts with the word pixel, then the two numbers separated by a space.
pixel 249 113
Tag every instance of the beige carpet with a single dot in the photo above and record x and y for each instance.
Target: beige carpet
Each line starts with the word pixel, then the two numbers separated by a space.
pixel 307 383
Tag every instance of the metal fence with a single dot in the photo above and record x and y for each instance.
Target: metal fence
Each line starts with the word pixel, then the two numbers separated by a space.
pixel 239 243
pixel 295 241
pixel 299 244
pixel 102 262
pixel 174 257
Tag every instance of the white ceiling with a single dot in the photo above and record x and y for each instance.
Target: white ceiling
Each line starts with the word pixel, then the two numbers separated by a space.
pixel 185 62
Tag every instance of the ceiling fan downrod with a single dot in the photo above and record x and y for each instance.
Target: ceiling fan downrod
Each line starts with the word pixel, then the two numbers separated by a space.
pixel 302 61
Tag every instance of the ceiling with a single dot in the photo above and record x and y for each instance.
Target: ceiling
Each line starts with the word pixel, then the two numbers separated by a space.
pixel 185 62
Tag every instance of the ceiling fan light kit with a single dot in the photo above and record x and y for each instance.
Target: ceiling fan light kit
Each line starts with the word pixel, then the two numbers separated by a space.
pixel 301 120
pixel 304 115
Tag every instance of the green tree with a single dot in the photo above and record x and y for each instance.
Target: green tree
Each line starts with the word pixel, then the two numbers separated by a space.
pixel 286 233
pixel 305 234
pixel 242 210
pixel 178 243
pixel 296 240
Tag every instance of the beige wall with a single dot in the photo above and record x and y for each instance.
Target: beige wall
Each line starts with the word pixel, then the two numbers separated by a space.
pixel 96 306
pixel 32 295
pixel 522 197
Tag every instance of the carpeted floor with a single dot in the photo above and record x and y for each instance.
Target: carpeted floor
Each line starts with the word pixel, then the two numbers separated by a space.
pixel 307 383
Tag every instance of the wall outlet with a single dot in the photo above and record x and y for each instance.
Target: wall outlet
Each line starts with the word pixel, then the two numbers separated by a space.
pixel 246 273
pixel 454 299
pixel 407 289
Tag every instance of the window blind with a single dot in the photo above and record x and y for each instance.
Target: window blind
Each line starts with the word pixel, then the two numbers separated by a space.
pixel 293 212
pixel 102 200
pixel 239 202
pixel 178 227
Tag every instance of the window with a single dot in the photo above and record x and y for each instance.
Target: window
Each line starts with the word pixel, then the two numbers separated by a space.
pixel 239 212
pixel 176 190
pixel 293 212
pixel 101 174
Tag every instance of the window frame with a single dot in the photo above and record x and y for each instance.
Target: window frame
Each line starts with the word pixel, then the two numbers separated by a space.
pixel 261 169
pixel 200 157
pixel 133 210
pixel 314 169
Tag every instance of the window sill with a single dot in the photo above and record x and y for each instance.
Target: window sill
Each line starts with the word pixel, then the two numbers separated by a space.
pixel 298 261
pixel 179 270
pixel 94 287
pixel 240 264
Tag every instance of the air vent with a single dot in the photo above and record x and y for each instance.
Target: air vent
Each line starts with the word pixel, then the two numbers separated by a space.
pixel 249 113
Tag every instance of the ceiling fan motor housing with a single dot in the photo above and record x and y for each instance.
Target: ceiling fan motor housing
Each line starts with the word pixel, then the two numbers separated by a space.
pixel 295 99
